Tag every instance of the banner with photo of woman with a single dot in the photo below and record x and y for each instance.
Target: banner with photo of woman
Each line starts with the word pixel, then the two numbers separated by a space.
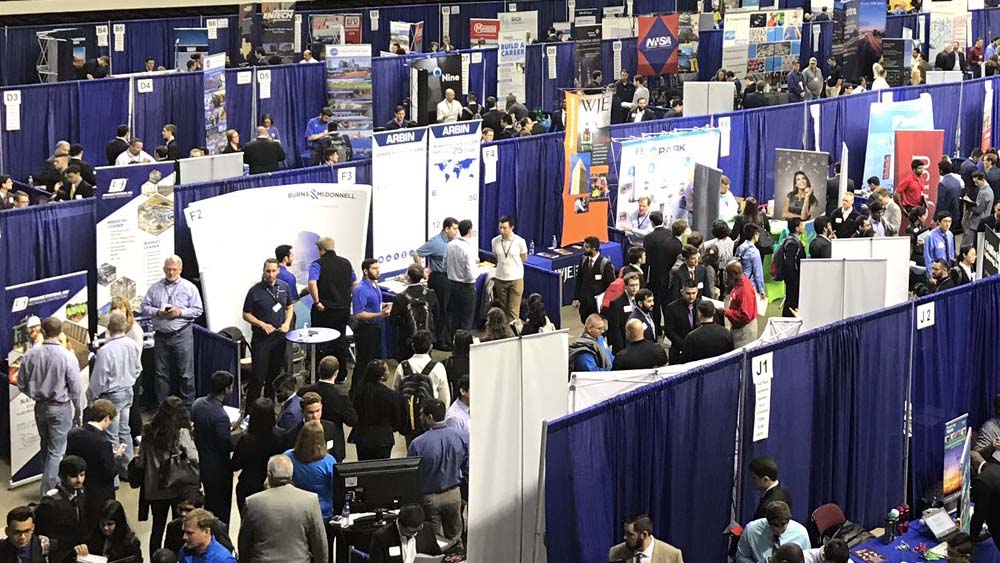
pixel 585 188
pixel 800 183
pixel 64 297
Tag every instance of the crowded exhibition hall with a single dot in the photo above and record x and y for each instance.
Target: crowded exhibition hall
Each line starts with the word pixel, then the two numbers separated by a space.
pixel 723 273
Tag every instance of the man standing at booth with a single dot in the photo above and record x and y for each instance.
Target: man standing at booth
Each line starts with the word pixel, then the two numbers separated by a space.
pixel 909 193
pixel 331 278
pixel 317 131
pixel 268 309
pixel 461 259
pixel 593 276
pixel 508 284
pixel 174 304
pixel 638 224
pixel 370 313
pixel 434 250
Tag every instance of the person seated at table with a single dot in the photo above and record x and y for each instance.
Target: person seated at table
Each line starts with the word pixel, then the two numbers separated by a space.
pixel 764 473
pixel 989 432
pixel 407 535
pixel 763 536
pixel 788 553
pixel 835 551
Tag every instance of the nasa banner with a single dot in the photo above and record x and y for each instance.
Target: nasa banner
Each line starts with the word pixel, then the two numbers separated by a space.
pixel 927 147
pixel 657 44
pixel 135 231
pixel 484 32
pixel 585 189
pixel 662 168
pixel 64 297
pixel 399 196
pixel 228 271
pixel 277 30
pixel 453 175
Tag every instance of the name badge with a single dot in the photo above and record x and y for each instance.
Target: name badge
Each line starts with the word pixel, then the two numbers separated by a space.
pixel 701 285
pixel 395 551
pixel 598 277
pixel 276 308
pixel 645 327
pixel 627 308
pixel 329 444
pixel 839 220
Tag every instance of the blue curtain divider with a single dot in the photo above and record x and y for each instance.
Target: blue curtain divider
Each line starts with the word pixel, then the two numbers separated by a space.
pixel 214 352
pixel 709 53
pixel 541 91
pixel 822 50
pixel 171 101
pixel 298 93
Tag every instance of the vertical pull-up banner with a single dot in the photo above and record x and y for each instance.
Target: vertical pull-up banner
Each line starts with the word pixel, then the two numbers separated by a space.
pixel 927 147
pixel 585 188
pixel 657 44
pixel 277 35
pixel 399 196
pixel 453 175
pixel 349 93
pixel 214 79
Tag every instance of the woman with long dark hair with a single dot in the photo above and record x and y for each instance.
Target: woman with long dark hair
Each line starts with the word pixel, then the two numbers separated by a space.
pixel 168 435
pixel 538 320
pixel 752 214
pixel 113 538
pixel 800 201
pixel 261 441
pixel 497 327
pixel 378 410
pixel 457 364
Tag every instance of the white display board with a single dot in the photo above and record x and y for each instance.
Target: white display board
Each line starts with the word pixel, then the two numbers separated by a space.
pixel 832 289
pixel 708 98
pixel 399 196
pixel 894 250
pixel 231 246
pixel 210 168
pixel 521 384
pixel 453 175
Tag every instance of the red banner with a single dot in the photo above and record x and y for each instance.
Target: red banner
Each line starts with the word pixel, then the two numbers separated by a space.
pixel 657 44
pixel 485 30
pixel 927 147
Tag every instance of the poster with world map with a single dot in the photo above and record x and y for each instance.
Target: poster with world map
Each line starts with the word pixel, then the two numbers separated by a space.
pixel 453 175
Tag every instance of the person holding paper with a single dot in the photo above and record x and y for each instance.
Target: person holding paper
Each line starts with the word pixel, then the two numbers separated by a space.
pixel 90 444
pixel 977 210
pixel 637 225
pixel 403 540
pixel 742 310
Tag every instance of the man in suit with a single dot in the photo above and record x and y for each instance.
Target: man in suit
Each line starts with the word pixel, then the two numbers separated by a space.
pixel 624 91
pixel 822 245
pixel 282 522
pixel 492 116
pixel 661 253
pixel 845 219
pixel 402 540
pixel 211 436
pixel 710 339
pixel 263 154
pixel 91 444
pixel 969 166
pixel 681 318
pixel 72 185
pixel 643 312
pixel 986 494
pixel 992 177
pixel 398 120
pixel 620 310
pixel 86 170
pixel 833 188
pixel 312 409
pixel 752 98
pixel 641 547
pixel 691 271
pixel 764 474
pixel 334 408
pixel 991 223
pixel 61 515
pixel 636 258
pixel 640 353
pixel 593 277
pixel 170 140
pixel 22 544
pixel 640 112
pixel 558 118
pixel 117 145
pixel 794 253
pixel 676 108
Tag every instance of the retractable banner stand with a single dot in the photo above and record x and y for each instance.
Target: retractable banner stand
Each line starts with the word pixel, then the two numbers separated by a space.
pixel 845 36
pixel 587 143
pixel 336 29
pixel 927 147
pixel 587 41
pixel 956 460
pixel 229 270
pixel 657 44
pixel 989 256
pixel 135 231
pixel 430 78
pixel 662 168
pixel 871 28
pixel 987 135
pixel 214 78
pixel 707 184
pixel 510 77
pixel 349 94
pixel 400 33
pixel 885 118
pixel 399 196
pixel 247 27
pixel 453 175
pixel 277 33
pixel 800 182
pixel 64 297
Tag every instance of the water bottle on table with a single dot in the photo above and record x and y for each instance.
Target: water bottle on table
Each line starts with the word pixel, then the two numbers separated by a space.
pixel 531 247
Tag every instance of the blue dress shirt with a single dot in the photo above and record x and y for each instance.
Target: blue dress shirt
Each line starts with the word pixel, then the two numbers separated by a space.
pixel 434 250
pixel 117 365
pixel 757 544
pixel 938 246
pixel 314 127
pixel 752 267
pixel 181 294
pixel 444 457
pixel 291 413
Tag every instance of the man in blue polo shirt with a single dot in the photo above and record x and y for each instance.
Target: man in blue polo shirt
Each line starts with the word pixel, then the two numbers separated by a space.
pixel 434 250
pixel 369 312
pixel 940 243
pixel 317 130
pixel 285 257
pixel 268 309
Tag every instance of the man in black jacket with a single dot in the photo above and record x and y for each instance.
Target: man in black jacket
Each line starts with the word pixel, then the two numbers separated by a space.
pixel 764 473
pixel 681 318
pixel 986 495
pixel 640 112
pixel 845 219
pixel 263 154
pixel 643 312
pixel 61 515
pixel 212 437
pixel 833 188
pixel 558 118
pixel 312 409
pixel 620 309
pixel 413 309
pixel 661 253
pixel 387 542
pixel 330 282
pixel 22 544
pixel 794 253
pixel 640 353
pixel 117 145
pixel 90 443
pixel 334 408
pixel 492 116
pixel 690 271
pixel 752 98
pixel 822 245
pixel 86 170
pixel 710 339
pixel 593 277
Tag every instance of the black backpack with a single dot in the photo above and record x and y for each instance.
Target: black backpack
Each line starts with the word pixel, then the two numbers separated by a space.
pixel 414 390
pixel 418 313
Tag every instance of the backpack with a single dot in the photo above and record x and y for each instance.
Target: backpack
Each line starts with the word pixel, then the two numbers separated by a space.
pixel 418 313
pixel 778 261
pixel 414 390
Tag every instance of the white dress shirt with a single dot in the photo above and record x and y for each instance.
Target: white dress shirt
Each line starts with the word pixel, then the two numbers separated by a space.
pixel 728 207
pixel 128 158
pixel 460 260
pixel 510 267
pixel 439 376
pixel 448 112
pixel 646 555
pixel 407 547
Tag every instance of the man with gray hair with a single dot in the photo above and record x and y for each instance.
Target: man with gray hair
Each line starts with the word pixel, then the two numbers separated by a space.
pixel 813 76
pixel 174 304
pixel 282 523
pixel 331 279
pixel 117 365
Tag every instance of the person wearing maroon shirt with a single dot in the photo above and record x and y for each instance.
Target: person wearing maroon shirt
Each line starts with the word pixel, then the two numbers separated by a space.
pixel 976 58
pixel 908 191
pixel 742 310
